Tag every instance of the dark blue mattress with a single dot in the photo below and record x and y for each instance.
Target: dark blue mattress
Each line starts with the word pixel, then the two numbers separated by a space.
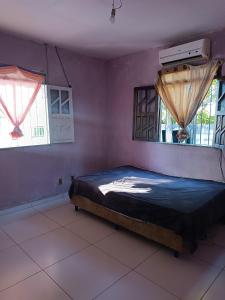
pixel 187 206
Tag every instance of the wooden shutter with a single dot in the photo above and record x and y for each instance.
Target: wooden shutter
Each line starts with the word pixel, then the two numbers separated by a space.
pixel 145 123
pixel 61 119
pixel 220 116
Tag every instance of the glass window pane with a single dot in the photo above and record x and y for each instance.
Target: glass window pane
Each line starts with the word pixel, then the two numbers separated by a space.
pixel 65 108
pixel 201 129
pixel 55 108
pixel 54 94
pixel 64 96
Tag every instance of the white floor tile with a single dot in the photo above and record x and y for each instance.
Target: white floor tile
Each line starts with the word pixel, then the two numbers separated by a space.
pixel 211 253
pixel 5 241
pixel 91 229
pixel 86 274
pixel 63 214
pixel 36 287
pixel 53 246
pixel 135 287
pixel 128 248
pixel 217 290
pixel 219 235
pixel 186 278
pixel 15 266
pixel 29 227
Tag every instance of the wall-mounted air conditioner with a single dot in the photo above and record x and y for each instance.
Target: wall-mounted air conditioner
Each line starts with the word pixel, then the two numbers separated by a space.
pixel 190 52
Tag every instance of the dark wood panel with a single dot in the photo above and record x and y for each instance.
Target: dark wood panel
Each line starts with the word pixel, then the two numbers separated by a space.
pixel 145 119
pixel 220 116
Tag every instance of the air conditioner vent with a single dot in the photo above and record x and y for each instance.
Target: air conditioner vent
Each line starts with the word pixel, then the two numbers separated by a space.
pixel 190 52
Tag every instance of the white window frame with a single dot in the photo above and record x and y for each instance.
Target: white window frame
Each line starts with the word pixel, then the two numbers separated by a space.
pixel 61 120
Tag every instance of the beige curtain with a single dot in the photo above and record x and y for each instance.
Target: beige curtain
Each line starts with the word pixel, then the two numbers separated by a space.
pixel 183 89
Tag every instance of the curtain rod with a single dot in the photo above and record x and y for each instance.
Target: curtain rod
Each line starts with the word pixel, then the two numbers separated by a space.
pixel 22 68
pixel 186 66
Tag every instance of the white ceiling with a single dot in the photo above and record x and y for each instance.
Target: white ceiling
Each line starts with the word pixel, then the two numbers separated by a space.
pixel 83 25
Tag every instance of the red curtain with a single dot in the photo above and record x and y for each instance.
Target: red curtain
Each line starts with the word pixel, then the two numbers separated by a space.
pixel 18 91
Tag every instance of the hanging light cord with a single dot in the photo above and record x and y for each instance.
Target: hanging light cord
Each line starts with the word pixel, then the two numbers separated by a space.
pixel 121 4
pixel 46 60
pixel 222 157
pixel 62 66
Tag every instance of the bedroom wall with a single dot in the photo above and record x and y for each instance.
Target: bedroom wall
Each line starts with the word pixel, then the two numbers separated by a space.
pixel 30 173
pixel 137 70
pixel 103 105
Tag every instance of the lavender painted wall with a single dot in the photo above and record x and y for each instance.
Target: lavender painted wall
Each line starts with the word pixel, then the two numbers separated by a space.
pixel 137 70
pixel 31 173
pixel 103 105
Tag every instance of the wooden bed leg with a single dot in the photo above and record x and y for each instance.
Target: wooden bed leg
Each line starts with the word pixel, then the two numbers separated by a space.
pixel 76 208
pixel 116 227
pixel 176 254
pixel 193 246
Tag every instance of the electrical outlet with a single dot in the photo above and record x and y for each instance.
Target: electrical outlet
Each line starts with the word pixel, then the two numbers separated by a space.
pixel 60 181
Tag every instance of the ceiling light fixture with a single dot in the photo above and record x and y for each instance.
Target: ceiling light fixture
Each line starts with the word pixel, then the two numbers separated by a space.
pixel 113 12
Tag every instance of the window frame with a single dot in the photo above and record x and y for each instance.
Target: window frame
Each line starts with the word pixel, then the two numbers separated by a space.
pixel 47 88
pixel 14 148
pixel 211 137
pixel 66 118
pixel 158 125
pixel 219 112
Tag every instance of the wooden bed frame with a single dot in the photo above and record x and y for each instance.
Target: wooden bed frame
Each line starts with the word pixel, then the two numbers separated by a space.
pixel 151 231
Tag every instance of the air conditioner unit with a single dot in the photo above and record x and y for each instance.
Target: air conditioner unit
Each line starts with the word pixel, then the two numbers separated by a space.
pixel 186 53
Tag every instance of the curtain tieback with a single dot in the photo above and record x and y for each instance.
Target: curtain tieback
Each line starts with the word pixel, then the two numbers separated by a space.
pixel 183 135
pixel 16 133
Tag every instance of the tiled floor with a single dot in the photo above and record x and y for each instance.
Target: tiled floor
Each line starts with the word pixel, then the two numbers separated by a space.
pixel 50 252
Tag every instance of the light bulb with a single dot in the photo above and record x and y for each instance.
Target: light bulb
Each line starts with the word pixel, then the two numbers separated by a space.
pixel 113 16
pixel 112 19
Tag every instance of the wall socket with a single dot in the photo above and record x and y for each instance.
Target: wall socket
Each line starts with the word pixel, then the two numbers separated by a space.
pixel 60 181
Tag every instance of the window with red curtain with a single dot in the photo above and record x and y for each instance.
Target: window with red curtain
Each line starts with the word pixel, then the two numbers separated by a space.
pixel 32 113
pixel 23 108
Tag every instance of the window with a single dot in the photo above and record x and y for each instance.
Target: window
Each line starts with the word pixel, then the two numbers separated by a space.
pixel 202 127
pixel 61 120
pixel 220 116
pixel 145 114
pixel 153 122
pixel 36 119
pixel 50 119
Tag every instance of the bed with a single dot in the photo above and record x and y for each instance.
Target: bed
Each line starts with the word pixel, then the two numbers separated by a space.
pixel 173 211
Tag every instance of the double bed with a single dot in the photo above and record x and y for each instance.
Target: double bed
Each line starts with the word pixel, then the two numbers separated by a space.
pixel 173 211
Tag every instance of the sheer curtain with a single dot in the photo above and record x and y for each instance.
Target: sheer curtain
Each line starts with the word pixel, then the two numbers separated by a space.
pixel 183 90
pixel 18 91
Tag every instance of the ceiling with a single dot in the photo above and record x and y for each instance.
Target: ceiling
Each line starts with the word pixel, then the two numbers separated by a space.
pixel 83 25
